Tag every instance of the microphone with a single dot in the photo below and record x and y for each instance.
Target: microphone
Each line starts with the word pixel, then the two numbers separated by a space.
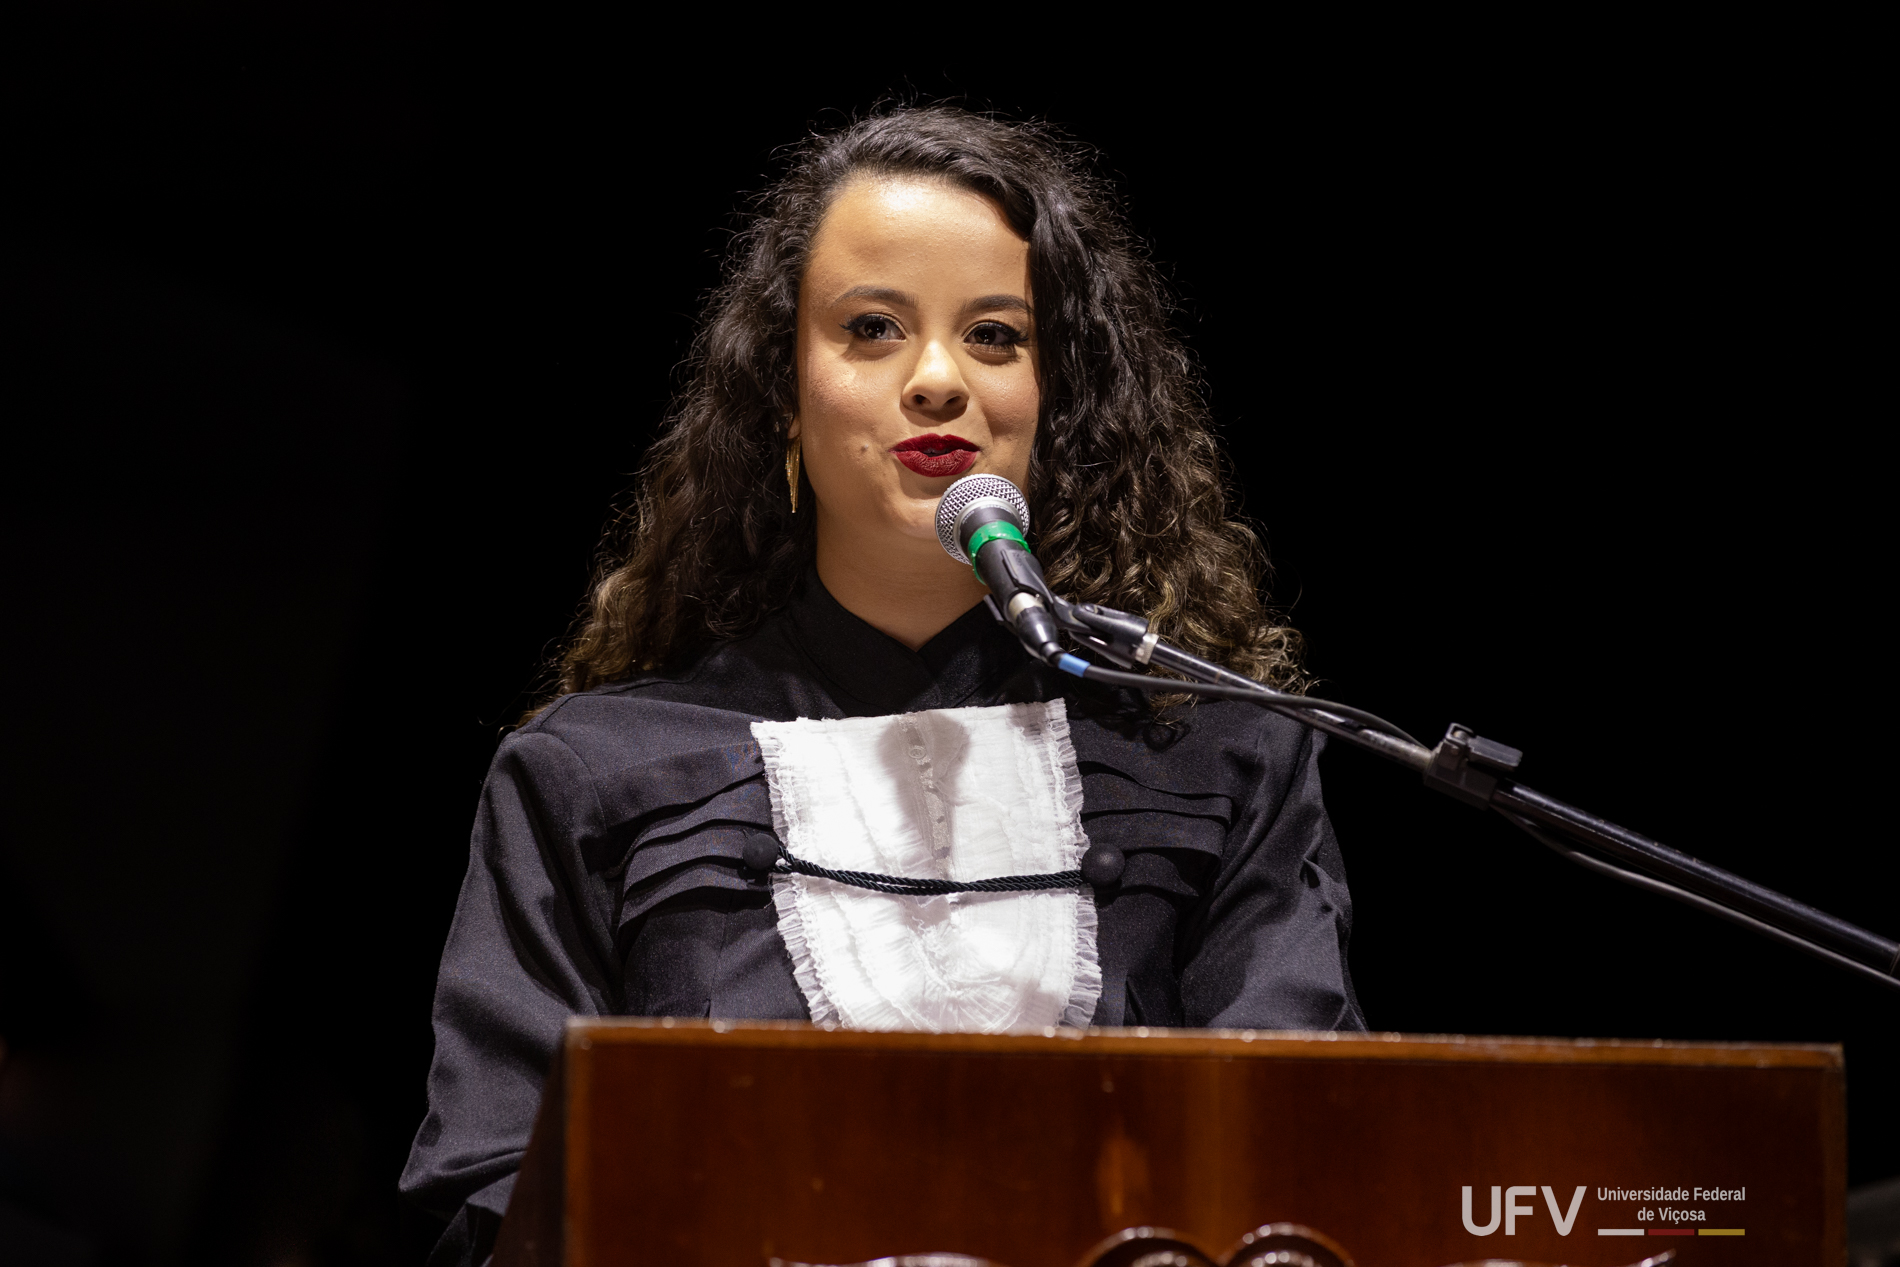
pixel 981 520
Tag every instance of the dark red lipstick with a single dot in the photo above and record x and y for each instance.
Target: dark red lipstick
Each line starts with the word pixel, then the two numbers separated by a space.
pixel 934 455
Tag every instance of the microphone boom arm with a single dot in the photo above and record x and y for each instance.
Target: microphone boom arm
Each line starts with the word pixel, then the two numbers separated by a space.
pixel 1481 773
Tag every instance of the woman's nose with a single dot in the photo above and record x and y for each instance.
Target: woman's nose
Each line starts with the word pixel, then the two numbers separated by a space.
pixel 936 384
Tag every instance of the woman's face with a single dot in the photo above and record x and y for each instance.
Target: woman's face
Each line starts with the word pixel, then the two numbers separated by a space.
pixel 916 356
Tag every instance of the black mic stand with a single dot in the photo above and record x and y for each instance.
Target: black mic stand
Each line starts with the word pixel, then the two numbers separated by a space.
pixel 1481 773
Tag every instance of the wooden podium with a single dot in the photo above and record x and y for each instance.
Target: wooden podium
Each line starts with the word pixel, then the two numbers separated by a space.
pixel 735 1143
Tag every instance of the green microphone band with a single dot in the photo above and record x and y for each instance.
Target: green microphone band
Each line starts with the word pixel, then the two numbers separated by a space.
pixel 991 531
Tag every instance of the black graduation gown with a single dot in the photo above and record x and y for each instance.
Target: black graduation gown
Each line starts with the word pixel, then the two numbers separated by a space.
pixel 605 875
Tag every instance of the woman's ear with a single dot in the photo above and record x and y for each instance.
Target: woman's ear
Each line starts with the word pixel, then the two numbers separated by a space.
pixel 791 428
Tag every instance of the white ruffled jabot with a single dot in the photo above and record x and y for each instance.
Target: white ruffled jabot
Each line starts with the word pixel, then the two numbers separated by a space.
pixel 961 794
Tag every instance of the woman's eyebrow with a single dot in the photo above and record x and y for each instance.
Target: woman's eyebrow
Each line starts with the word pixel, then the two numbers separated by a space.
pixel 1013 302
pixel 903 299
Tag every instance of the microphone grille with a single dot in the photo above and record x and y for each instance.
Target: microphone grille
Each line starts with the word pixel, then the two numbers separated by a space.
pixel 961 495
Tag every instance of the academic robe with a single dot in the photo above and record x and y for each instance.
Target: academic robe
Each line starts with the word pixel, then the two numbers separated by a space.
pixel 606 872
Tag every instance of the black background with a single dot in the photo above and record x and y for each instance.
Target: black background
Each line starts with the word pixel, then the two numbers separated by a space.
pixel 1544 365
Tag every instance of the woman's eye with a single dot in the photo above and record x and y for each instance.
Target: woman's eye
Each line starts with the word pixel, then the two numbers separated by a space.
pixel 994 334
pixel 874 327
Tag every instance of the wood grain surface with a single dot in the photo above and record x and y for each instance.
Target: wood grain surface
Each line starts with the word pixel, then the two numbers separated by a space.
pixel 737 1142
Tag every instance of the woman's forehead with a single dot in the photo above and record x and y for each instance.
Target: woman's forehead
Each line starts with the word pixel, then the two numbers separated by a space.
pixel 906 231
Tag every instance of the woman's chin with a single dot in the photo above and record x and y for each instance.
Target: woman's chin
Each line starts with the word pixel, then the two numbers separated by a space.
pixel 903 519
pixel 921 523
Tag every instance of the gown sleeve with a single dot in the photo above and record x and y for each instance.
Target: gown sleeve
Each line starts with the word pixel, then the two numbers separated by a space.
pixel 530 945
pixel 1267 949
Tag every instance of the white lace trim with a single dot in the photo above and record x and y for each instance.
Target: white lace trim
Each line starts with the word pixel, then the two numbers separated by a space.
pixel 964 794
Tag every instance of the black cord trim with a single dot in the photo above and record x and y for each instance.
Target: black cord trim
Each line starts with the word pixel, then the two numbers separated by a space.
pixel 905 887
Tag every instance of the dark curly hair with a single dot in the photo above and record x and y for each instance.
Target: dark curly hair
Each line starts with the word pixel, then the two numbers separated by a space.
pixel 1125 483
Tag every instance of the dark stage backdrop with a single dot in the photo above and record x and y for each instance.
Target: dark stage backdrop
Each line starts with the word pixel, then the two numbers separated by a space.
pixel 1545 380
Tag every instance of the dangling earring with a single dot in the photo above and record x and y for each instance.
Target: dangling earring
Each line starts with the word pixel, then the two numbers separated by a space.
pixel 792 456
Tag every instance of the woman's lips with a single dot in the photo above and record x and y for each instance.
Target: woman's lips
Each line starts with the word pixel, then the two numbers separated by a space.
pixel 934 455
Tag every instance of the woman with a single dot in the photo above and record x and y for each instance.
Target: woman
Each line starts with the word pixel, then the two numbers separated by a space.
pixel 925 294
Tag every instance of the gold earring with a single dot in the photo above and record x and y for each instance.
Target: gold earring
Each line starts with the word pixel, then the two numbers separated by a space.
pixel 792 455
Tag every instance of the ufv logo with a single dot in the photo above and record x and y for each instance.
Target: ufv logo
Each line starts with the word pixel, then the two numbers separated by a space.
pixel 1507 1211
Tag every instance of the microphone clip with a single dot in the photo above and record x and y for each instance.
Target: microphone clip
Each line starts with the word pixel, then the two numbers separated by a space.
pixel 1117 636
pixel 1120 637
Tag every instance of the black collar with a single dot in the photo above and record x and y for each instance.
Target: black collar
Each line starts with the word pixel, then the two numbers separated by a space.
pixel 963 665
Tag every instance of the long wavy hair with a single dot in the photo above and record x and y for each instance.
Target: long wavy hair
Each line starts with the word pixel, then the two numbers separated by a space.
pixel 1126 488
